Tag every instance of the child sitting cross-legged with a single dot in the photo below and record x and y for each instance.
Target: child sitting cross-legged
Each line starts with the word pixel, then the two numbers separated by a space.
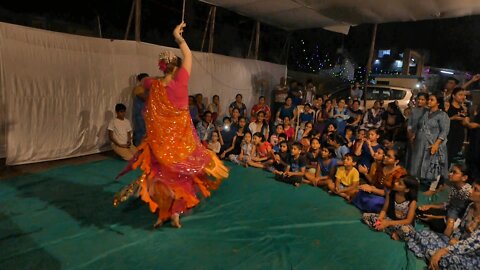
pixel 279 163
pixel 326 168
pixel 262 152
pixel 347 178
pixel 246 151
pixel 296 167
pixel 398 213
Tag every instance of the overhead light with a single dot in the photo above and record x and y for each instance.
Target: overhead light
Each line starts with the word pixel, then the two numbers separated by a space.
pixel 446 72
pixel 417 85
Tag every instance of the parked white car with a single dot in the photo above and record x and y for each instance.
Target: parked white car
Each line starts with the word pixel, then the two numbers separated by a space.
pixel 385 93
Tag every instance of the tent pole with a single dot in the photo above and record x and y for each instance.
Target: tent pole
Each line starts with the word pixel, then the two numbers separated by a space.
pixel 138 18
pixel 257 40
pixel 212 30
pixel 130 20
pixel 249 54
pixel 369 63
pixel 206 29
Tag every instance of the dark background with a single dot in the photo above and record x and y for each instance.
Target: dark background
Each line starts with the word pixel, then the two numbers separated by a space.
pixel 449 43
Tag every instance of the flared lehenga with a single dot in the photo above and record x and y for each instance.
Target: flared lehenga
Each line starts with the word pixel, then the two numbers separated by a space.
pixel 176 166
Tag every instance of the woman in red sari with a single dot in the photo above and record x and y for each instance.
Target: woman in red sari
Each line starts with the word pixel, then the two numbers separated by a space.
pixel 175 165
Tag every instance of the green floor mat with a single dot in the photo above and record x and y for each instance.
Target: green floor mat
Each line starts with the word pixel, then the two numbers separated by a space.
pixel 64 219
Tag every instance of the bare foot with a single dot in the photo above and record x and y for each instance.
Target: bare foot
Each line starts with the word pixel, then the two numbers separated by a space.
pixel 175 220
pixel 158 223
pixel 395 236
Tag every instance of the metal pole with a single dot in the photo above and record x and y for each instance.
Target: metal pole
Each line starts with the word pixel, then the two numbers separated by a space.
pixel 99 26
pixel 370 60
pixel 249 54
pixel 257 40
pixel 206 29
pixel 130 20
pixel 212 30
pixel 138 18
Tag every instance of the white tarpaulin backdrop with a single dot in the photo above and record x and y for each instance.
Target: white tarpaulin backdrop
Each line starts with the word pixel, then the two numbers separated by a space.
pixel 58 91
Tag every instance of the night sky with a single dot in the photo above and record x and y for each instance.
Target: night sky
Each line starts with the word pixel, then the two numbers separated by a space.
pixel 450 43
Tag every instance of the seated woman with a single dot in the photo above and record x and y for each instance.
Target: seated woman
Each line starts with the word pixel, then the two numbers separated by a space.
pixel 287 110
pixel 235 147
pixel 373 117
pixel 383 173
pixel 462 250
pixel 306 132
pixel 307 115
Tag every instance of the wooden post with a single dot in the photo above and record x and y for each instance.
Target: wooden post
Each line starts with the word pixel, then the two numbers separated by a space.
pixel 257 40
pixel 212 30
pixel 130 19
pixel 206 29
pixel 138 18
pixel 369 63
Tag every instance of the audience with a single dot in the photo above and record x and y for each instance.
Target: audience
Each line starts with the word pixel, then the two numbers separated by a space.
pixel 120 133
pixel 335 145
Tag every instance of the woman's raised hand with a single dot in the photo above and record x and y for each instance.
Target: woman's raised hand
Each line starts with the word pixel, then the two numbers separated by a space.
pixel 178 31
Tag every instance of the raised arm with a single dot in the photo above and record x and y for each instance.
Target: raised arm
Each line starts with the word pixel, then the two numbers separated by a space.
pixel 182 44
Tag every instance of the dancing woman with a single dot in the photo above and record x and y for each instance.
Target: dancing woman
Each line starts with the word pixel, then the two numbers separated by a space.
pixel 175 164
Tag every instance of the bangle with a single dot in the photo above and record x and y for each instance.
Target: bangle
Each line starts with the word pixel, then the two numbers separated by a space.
pixel 179 40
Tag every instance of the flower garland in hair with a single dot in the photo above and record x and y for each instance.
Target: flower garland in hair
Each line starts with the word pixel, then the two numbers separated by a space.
pixel 165 58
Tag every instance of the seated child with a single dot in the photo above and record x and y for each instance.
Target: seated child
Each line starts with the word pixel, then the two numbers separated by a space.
pixel 296 167
pixel 313 156
pixel 246 151
pixel 281 138
pixel 215 143
pixel 326 168
pixel 337 142
pixel 262 152
pixel 279 163
pixel 435 215
pixel 366 149
pixel 398 213
pixel 120 134
pixel 347 178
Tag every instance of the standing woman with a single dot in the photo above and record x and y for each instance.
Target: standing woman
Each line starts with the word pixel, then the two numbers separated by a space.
pixel 175 164
pixel 459 119
pixel 430 153
pixel 412 128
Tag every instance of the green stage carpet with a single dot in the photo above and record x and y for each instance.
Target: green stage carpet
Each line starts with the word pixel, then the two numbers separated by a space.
pixel 64 219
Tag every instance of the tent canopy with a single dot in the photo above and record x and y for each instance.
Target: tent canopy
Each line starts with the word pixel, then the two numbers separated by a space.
pixel 339 15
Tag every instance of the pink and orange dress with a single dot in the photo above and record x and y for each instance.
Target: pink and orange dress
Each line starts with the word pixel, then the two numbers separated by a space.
pixel 176 166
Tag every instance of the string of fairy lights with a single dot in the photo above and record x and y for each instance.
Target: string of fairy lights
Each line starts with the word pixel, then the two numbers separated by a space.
pixel 310 58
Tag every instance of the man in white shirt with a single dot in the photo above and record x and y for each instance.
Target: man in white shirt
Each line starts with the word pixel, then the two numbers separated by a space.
pixel 120 134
